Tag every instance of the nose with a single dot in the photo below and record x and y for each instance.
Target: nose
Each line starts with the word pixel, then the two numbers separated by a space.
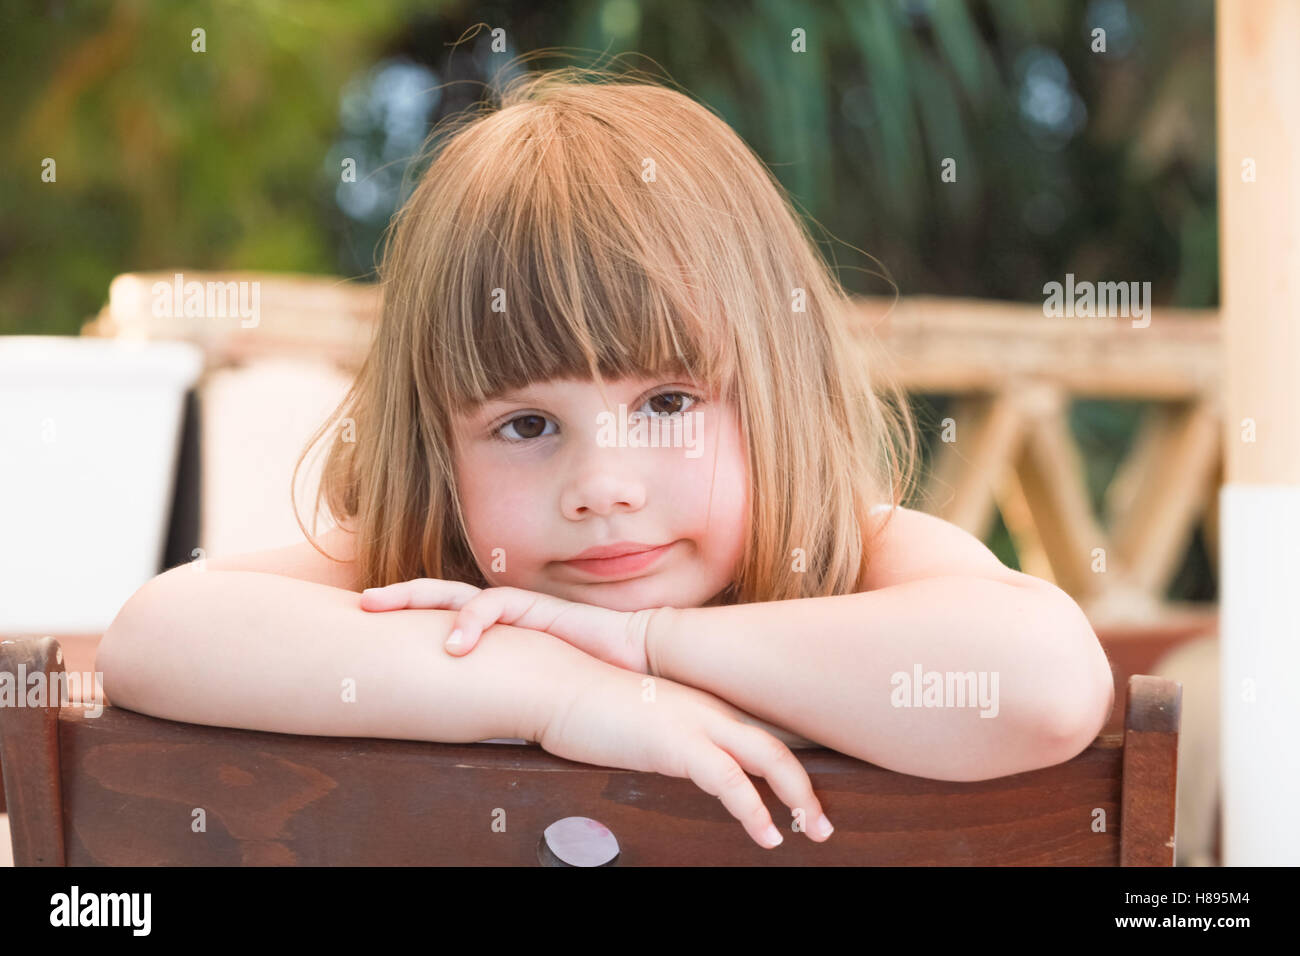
pixel 601 489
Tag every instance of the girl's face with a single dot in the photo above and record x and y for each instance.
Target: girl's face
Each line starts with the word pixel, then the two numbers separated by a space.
pixel 550 472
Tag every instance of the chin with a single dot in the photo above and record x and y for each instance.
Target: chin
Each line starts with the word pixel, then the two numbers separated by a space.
pixel 635 594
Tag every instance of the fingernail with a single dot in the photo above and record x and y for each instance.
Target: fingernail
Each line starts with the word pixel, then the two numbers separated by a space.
pixel 772 836
pixel 824 828
pixel 453 639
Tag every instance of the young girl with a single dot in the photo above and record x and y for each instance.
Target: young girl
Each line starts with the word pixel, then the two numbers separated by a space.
pixel 613 437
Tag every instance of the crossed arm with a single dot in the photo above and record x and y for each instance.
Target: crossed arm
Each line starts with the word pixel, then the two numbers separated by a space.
pixel 839 671
pixel 843 671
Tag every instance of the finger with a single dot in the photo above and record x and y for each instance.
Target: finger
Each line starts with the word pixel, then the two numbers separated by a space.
pixel 478 614
pixel 761 754
pixel 515 606
pixel 716 772
pixel 418 593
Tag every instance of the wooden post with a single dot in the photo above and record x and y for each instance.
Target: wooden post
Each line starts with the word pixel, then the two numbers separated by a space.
pixel 29 741
pixel 1259 204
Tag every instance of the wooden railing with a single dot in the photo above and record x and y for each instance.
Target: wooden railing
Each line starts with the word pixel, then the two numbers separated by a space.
pixel 1008 444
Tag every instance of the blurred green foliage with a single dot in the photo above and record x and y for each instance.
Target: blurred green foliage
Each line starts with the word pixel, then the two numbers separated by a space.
pixel 166 156
pixel 1067 159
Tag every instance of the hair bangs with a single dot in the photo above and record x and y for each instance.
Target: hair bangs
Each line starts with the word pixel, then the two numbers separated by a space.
pixel 561 283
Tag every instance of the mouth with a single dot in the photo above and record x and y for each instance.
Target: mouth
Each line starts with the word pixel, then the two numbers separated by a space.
pixel 614 560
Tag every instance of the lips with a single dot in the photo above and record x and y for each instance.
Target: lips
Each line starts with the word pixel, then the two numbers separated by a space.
pixel 627 557
pixel 617 550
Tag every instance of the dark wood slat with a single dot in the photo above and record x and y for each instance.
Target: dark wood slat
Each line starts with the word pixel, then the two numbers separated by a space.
pixel 1151 723
pixel 29 754
pixel 135 781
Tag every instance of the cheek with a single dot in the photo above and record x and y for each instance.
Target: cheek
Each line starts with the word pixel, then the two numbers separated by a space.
pixel 731 496
pixel 496 508
pixel 718 496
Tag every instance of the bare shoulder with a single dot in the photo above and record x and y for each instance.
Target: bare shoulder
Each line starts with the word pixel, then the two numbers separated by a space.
pixel 910 544
pixel 302 560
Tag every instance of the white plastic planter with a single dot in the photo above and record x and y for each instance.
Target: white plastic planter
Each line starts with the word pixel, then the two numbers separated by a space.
pixel 89 435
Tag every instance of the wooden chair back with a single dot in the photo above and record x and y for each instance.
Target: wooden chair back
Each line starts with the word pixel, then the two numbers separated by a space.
pixel 126 789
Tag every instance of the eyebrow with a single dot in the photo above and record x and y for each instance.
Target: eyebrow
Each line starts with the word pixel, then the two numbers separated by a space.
pixel 526 393
pixel 512 397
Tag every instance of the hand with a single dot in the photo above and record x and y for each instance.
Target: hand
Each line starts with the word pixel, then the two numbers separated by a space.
pixel 682 731
pixel 616 637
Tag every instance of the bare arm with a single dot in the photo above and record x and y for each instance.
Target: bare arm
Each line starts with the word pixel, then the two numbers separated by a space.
pixel 938 603
pixel 954 678
pixel 262 651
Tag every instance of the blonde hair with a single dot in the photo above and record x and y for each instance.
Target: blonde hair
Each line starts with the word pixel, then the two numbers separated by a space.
pixel 629 232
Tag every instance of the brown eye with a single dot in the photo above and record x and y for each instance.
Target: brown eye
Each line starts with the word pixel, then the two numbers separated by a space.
pixel 533 425
pixel 525 427
pixel 666 404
